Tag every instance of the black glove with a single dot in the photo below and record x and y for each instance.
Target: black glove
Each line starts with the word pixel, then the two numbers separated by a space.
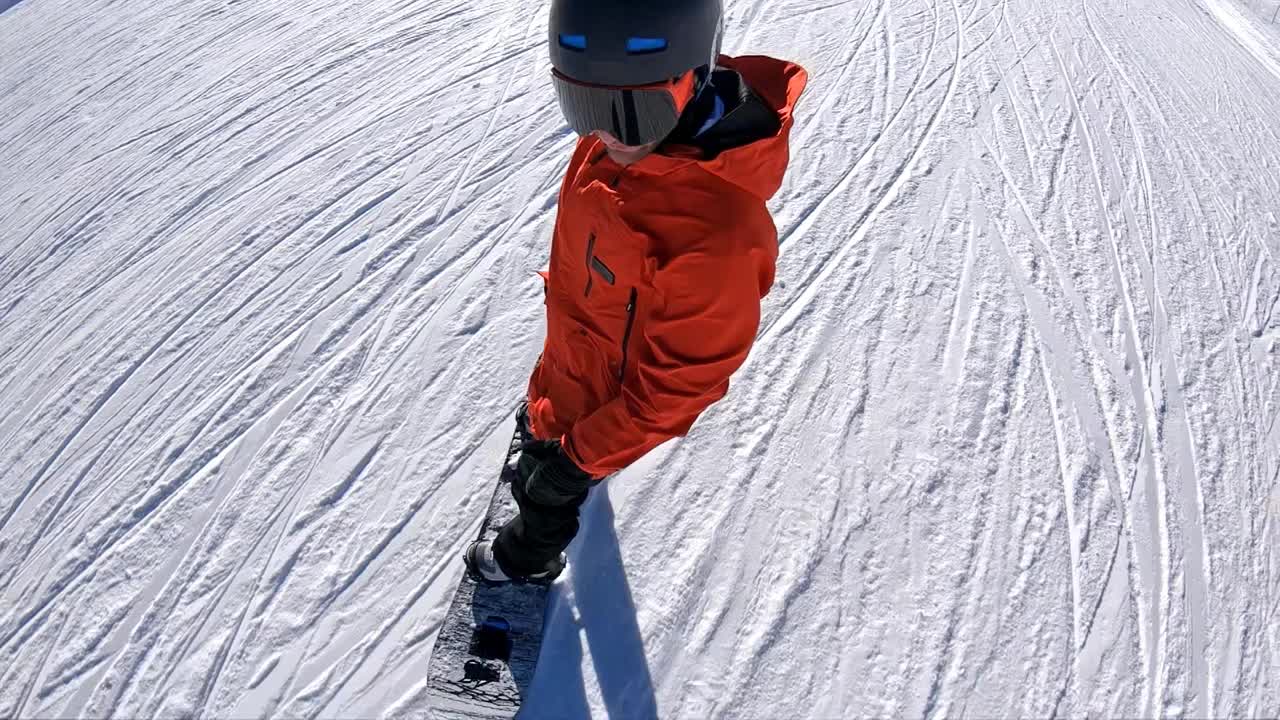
pixel 548 476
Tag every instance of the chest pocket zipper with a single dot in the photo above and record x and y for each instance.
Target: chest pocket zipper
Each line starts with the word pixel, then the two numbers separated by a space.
pixel 595 266
pixel 626 335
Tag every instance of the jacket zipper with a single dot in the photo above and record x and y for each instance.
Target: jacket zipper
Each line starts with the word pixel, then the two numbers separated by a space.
pixel 591 248
pixel 626 335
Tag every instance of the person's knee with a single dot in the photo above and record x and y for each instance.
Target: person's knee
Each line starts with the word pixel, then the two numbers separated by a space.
pixel 547 482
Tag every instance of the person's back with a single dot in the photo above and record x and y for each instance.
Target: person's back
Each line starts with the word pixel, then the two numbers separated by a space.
pixel 663 249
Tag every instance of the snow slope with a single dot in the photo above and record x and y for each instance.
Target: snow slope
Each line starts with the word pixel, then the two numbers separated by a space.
pixel 1007 445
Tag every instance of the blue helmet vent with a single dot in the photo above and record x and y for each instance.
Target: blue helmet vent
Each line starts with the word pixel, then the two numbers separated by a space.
pixel 644 46
pixel 573 42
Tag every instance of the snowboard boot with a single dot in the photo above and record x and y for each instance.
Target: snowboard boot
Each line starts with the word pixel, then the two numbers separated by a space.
pixel 483 566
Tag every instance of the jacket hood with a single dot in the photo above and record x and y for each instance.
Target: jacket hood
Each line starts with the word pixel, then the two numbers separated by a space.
pixel 757 166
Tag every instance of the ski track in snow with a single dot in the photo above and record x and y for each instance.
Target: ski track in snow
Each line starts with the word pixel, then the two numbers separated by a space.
pixel 1007 444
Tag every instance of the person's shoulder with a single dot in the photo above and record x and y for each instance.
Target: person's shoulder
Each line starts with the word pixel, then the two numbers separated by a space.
pixel 735 220
pixel 708 216
pixel 695 191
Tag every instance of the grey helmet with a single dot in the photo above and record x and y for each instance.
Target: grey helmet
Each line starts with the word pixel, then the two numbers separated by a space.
pixel 603 50
pixel 633 42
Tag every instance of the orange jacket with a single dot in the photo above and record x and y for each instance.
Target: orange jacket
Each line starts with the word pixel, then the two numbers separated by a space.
pixel 654 288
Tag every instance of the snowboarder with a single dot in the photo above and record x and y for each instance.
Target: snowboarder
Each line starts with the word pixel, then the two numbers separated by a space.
pixel 662 251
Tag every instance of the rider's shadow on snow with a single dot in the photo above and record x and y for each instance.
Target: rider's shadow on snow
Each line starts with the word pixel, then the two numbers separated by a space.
pixel 6 4
pixel 597 606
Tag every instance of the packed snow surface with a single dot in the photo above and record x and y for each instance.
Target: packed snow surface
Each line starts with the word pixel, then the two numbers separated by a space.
pixel 1007 444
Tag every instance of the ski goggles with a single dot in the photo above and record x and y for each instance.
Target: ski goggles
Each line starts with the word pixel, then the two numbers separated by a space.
pixel 635 115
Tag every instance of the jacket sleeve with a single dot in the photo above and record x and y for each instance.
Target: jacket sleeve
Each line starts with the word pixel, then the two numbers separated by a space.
pixel 699 333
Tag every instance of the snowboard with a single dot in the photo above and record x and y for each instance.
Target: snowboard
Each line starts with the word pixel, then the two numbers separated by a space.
pixel 487 649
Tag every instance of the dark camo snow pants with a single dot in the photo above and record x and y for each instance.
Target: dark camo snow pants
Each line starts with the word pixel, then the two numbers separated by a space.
pixel 533 541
